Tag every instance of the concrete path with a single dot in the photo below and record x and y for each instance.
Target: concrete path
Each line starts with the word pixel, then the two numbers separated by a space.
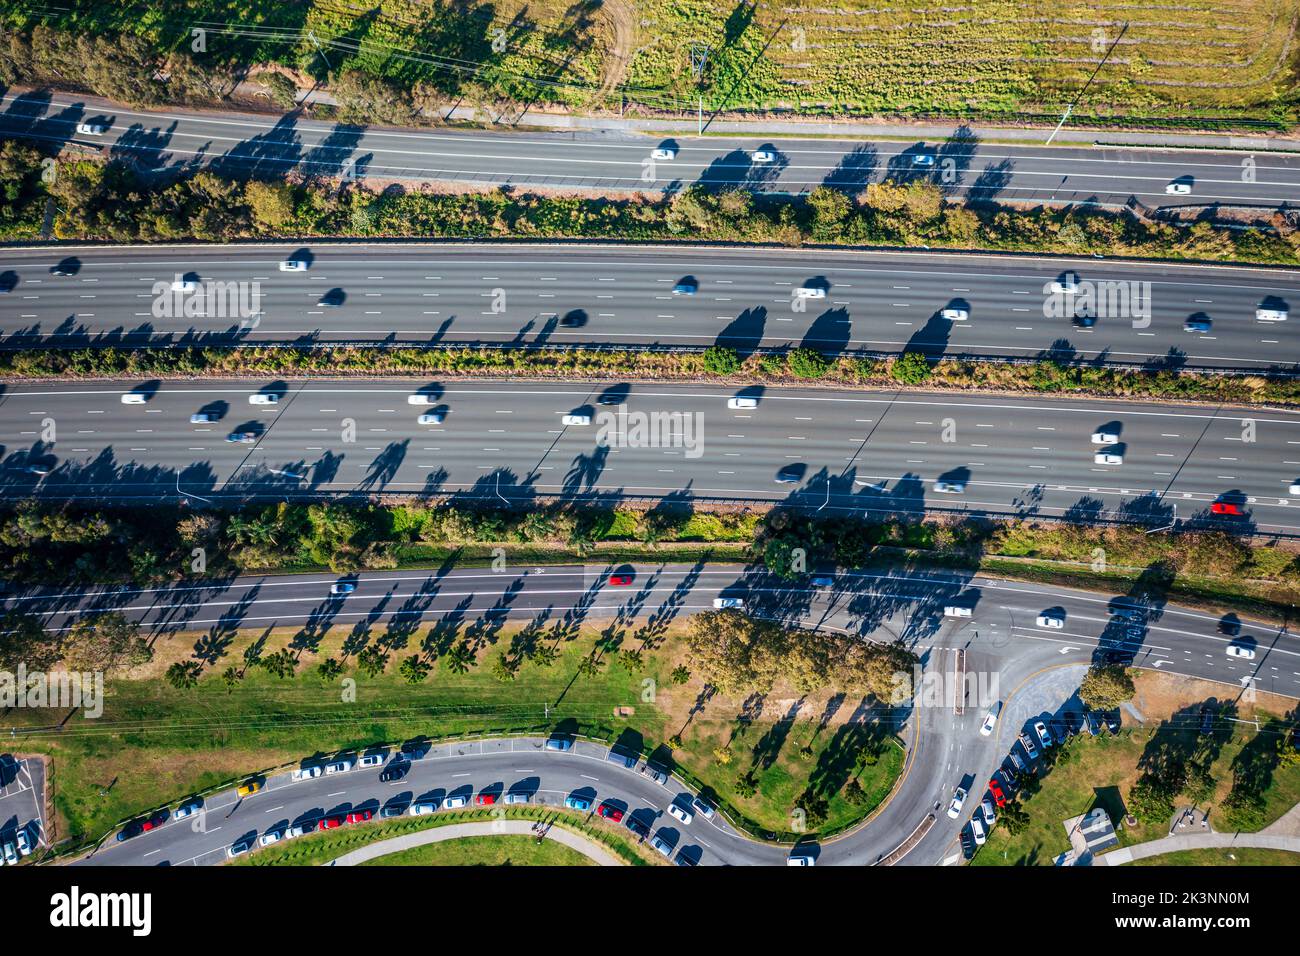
pixel 1198 841
pixel 455 831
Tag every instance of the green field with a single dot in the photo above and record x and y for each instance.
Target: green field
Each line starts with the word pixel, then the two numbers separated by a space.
pixel 1193 59
pixel 1242 856
pixel 505 850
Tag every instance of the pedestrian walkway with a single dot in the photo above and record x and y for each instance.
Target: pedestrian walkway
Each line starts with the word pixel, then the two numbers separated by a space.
pixel 456 831
pixel 1198 841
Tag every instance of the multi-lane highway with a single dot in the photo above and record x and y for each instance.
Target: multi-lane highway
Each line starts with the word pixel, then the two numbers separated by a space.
pixel 875 453
pixel 1032 669
pixel 638 297
pixel 965 167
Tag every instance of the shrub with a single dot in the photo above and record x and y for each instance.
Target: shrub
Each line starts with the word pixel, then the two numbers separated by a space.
pixel 809 363
pixel 721 360
pixel 911 368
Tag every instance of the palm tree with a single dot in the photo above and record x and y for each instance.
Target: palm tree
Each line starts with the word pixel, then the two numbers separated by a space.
pixel 184 674
pixel 459 658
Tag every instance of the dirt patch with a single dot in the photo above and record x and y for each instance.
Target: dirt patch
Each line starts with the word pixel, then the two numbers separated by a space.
pixel 621 16
pixel 1159 696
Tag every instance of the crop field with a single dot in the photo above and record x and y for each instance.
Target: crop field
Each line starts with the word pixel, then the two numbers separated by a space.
pixel 1172 60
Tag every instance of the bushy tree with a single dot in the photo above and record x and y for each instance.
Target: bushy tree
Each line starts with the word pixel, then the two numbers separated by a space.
pixel 1106 686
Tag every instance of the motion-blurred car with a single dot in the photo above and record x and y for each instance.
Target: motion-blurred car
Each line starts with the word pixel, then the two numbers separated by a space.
pixel 950 487
pixel 432 418
pixel 723 603
pixel 764 156
pixel 664 153
pixel 241 438
pixel 1227 508
pixel 293 265
pixel 955 315
pixel 92 128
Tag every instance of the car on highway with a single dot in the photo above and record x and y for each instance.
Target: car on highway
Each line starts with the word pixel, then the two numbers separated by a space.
pixel 990 720
pixel 764 156
pixel 742 401
pixel 1294 488
pixel 1044 737
pixel 1105 438
pixel 248 788
pixel 977 831
pixel 1027 742
pixel 665 153
pixel 1052 620
pixel 1108 458
pixel 203 418
pixel 662 844
pixel 1271 315
pixel 956 610
pixel 424 808
pixel 39 468
pixel 92 128
pixel 421 398
pixel 187 809
pixel 810 292
pixel 269 837
pixel 238 848
pixel 955 315
pixel 1240 651
pixel 958 800
pixel 1179 188
pixel 729 602
pixel 924 160
pixel 330 823
pixel 1067 283
pixel 360 816
pixel 341 765
pixel 371 760
pixel 683 813
pixel 135 398
pixel 1227 509
pixel 950 487
pixel 343 587
pixel 485 800
pixel 821 581
pixel 995 790
pixel 293 265
pixel 576 418
pixel 184 284
pixel 789 475
pixel 610 812
pixel 686 286
pixel 264 398
pixel 432 418
pixel 68 267
pixel 1198 323
pixel 241 438
pixel 577 803
pixel 620 580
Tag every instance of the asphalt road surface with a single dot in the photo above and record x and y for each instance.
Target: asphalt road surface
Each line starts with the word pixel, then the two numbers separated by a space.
pixel 272 146
pixel 624 297
pixel 870 453
pixel 1007 658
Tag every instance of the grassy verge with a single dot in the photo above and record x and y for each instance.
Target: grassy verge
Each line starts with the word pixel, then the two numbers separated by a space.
pixel 1240 856
pixel 315 849
pixel 505 850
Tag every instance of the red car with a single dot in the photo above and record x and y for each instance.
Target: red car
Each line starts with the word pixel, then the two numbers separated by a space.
pixel 995 789
pixel 155 821
pixel 329 823
pixel 620 580
pixel 1227 508
pixel 610 812
pixel 360 816
pixel 485 799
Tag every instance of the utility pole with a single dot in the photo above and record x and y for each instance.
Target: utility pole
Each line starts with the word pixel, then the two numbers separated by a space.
pixel 1070 109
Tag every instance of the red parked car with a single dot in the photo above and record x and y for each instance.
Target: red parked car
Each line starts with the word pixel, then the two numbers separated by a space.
pixel 995 788
pixel 1227 508
pixel 620 580
pixel 610 812
pixel 360 816
pixel 329 823
pixel 485 799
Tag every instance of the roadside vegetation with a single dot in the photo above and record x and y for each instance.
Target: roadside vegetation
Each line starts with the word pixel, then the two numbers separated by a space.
pixel 504 850
pixel 1244 777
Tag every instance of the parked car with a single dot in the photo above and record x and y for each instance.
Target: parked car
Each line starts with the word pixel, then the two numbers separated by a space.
pixel 485 800
pixel 955 805
pixel 577 803
pixel 371 760
pixel 330 823
pixel 1044 737
pixel 515 798
pixel 188 808
pixel 238 848
pixel 269 837
pixel 360 816
pixel 662 844
pixel 800 859
pixel 685 814
pixel 977 831
pixel 423 808
pixel 248 788
pixel 996 791
pixel 559 743
pixel 342 765
pixel 1028 743
pixel 610 812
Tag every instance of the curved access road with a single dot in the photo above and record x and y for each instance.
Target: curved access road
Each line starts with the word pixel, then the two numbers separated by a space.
pixel 633 297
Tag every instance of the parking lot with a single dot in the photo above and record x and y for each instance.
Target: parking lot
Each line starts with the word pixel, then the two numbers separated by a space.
pixel 22 802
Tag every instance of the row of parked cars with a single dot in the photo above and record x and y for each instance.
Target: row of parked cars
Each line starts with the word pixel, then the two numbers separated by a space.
pixel 15 845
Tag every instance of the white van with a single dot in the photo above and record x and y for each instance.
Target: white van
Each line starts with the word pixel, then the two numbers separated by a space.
pixel 134 398
pixel 1271 315
pixel 956 610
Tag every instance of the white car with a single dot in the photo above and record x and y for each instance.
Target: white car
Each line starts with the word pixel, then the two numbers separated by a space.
pixel 1053 622
pixel 10 853
pixel 800 859
pixel 307 773
pixel 237 849
pixel 990 815
pixel 1105 438
pixel 372 760
pixel 269 837
pixel 950 487
pixel 810 292
pixel 574 418
pixel 339 766
pixel 1294 489
pixel 681 813
pixel 977 831
pixel 23 842
pixel 958 799
pixel 134 398
pixel 664 152
pixel 1108 458
pixel 432 418
pixel 955 315
pixel 703 808
pixel 1044 737
pixel 296 830
pixel 1179 188
pixel 92 129
pixel 425 808
pixel 421 398
pixel 455 803
pixel 1271 315
pixel 293 265
pixel 764 156
pixel 729 602
pixel 184 284
pixel 264 398
pixel 512 798
pixel 956 610
pixel 1237 650
pixel 1067 284
pixel 990 720
pixel 742 401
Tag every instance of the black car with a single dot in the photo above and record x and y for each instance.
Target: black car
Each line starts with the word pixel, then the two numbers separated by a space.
pixel 394 771
pixel 638 826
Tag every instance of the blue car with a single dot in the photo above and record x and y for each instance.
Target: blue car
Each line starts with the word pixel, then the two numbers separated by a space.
pixel 577 803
